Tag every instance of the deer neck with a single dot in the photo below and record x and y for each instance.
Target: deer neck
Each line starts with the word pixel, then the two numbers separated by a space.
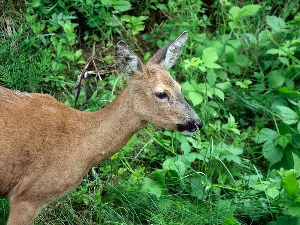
pixel 111 127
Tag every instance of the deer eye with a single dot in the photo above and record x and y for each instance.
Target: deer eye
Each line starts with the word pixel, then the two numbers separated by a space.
pixel 161 95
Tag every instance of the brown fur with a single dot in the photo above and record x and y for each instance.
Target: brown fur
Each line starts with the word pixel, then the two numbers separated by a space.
pixel 46 147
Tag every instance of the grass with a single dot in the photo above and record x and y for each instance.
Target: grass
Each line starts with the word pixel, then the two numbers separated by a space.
pixel 221 175
pixel 120 205
pixel 3 211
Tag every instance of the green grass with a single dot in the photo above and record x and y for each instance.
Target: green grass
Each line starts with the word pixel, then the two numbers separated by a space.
pixel 3 210
pixel 241 75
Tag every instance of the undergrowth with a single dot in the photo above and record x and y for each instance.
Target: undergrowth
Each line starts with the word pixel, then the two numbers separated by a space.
pixel 240 71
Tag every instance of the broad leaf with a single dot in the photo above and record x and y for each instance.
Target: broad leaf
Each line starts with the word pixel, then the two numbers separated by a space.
pixel 294 210
pixel 265 134
pixel 209 58
pixel 199 186
pixel 185 147
pixel 211 77
pixel 275 78
pixel 153 187
pixel 219 93
pixel 195 97
pixel 224 86
pixel 283 141
pixel 121 5
pixel 296 159
pixel 187 86
pixel 277 24
pixel 272 152
pixel 175 165
pixel 232 158
pixel 238 13
pixel 287 115
pixel 272 192
pixel 291 184
pixel 274 51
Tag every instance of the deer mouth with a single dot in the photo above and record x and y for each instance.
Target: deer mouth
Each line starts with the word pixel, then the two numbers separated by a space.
pixel 190 126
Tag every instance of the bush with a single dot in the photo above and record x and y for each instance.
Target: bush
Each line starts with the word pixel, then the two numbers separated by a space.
pixel 240 71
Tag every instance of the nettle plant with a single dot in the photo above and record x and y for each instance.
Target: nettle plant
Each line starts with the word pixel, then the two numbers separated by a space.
pixel 281 144
pixel 60 25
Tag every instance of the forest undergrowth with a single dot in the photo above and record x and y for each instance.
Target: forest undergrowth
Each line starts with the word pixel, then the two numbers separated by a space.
pixel 240 70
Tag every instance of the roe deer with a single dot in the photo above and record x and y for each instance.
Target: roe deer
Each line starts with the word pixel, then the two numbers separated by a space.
pixel 46 148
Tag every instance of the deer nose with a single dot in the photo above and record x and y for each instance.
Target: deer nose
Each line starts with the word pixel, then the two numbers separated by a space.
pixel 190 126
pixel 198 124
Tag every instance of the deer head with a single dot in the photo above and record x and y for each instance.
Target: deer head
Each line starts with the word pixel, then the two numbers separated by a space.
pixel 156 96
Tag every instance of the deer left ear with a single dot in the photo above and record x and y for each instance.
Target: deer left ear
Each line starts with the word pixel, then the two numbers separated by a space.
pixel 168 55
pixel 128 61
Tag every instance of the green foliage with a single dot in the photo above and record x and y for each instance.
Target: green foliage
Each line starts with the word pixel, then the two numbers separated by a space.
pixel 3 211
pixel 240 71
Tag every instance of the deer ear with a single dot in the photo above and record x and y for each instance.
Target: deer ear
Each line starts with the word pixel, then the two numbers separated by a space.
pixel 128 61
pixel 167 55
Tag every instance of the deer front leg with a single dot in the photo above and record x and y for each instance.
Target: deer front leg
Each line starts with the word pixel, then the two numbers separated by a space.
pixel 22 212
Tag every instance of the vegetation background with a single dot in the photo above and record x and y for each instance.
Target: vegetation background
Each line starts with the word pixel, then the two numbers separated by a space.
pixel 240 70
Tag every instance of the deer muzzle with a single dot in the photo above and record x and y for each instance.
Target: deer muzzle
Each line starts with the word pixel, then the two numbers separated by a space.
pixel 190 126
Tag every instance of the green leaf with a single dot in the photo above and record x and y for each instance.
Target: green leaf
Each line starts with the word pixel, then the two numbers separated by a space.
pixel 185 147
pixel 78 53
pixel 249 10
pixel 277 24
pixel 272 153
pixel 232 158
pixel 283 141
pixel 219 93
pixel 238 13
pixel 287 115
pixel 230 220
pixel 121 5
pixel 283 220
pixel 275 78
pixel 291 184
pixel 178 166
pixel 230 54
pixel 195 155
pixel 152 187
pixel 274 51
pixel 272 192
pixel 211 77
pixel 187 86
pixel 290 93
pixel 294 210
pixel 234 150
pixel 244 84
pixel 265 134
pixel 209 58
pixel 224 86
pixel 195 97
pixel 284 60
pixel 35 3
pixel 159 177
pixel 107 3
pixel 137 29
pixel 212 65
pixel 199 186
pixel 296 160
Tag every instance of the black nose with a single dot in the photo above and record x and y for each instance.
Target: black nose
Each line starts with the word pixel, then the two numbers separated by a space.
pixel 190 126
pixel 198 124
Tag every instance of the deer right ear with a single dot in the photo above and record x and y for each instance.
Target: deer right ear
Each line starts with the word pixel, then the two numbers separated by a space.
pixel 128 61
